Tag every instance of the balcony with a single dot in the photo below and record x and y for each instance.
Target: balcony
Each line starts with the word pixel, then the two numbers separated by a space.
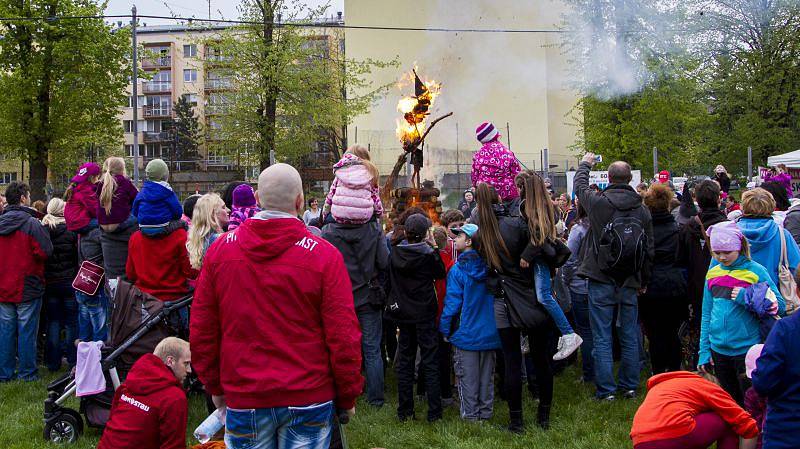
pixel 157 111
pixel 156 87
pixel 157 63
pixel 218 84
pixel 162 136
pixel 216 109
pixel 215 57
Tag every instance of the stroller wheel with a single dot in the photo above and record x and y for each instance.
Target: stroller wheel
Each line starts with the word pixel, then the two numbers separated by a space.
pixel 65 429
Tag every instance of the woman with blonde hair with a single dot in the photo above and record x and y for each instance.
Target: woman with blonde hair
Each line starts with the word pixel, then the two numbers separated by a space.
pixel 115 193
pixel 208 219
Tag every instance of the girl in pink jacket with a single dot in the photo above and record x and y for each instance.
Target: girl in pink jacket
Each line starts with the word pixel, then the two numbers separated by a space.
pixel 354 197
pixel 495 164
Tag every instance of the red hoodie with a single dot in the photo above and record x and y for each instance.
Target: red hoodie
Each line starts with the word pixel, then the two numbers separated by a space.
pixel 674 399
pixel 160 265
pixel 273 322
pixel 82 206
pixel 149 410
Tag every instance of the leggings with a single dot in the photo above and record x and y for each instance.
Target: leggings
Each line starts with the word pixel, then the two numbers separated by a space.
pixel 709 429
pixel 541 350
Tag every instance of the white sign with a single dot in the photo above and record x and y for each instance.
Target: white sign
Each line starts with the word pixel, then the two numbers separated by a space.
pixel 601 179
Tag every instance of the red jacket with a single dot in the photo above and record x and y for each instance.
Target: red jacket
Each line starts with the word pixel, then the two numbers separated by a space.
pixel 149 410
pixel 674 399
pixel 273 322
pixel 441 284
pixel 24 247
pixel 160 265
pixel 82 206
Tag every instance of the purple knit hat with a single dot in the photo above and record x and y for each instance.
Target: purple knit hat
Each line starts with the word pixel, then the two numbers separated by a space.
pixel 486 132
pixel 243 196
pixel 725 236
pixel 85 171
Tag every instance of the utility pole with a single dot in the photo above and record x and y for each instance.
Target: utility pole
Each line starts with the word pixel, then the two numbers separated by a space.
pixel 546 163
pixel 655 162
pixel 750 164
pixel 458 166
pixel 135 102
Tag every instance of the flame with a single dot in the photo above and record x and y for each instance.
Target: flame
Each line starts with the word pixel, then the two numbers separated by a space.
pixel 415 108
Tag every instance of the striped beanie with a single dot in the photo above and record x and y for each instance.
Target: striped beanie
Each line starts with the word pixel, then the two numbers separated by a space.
pixel 486 132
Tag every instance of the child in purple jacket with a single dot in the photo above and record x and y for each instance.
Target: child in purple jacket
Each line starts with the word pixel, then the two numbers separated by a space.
pixel 244 206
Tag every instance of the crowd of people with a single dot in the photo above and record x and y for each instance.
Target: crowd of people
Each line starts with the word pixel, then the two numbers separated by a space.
pixel 299 309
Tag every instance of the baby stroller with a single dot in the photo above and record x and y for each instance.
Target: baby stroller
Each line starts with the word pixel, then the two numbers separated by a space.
pixel 138 322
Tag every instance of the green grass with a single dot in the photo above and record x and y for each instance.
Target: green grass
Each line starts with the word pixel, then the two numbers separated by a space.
pixel 576 422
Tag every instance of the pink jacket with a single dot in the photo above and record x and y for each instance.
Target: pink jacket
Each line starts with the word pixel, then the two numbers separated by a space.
pixel 353 199
pixel 497 166
pixel 82 206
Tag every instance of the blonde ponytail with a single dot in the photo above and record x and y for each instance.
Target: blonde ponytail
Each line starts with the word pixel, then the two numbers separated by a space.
pixel 112 166
pixel 204 223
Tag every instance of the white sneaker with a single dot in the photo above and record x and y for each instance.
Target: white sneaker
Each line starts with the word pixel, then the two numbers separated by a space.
pixel 567 344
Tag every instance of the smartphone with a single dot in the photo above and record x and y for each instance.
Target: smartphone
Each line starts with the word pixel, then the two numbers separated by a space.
pixel 598 158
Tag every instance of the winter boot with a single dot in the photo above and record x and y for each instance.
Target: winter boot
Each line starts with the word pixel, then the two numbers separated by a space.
pixel 543 416
pixel 515 425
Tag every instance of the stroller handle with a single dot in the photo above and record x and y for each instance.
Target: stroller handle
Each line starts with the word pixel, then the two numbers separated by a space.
pixel 178 303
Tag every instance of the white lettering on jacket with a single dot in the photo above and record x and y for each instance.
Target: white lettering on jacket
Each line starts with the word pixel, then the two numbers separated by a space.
pixel 134 403
pixel 307 243
pixel 230 237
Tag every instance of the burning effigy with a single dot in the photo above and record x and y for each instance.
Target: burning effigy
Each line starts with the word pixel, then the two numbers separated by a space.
pixel 412 129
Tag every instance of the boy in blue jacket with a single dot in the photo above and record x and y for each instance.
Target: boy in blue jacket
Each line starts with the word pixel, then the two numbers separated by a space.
pixel 156 205
pixel 468 322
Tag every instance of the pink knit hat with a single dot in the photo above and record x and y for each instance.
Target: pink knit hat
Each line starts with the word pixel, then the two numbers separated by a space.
pixel 486 132
pixel 725 236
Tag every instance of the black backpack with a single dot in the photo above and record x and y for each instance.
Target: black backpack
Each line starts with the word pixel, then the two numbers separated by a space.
pixel 622 246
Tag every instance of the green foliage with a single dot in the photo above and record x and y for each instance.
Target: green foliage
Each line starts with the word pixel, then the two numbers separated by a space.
pixel 187 131
pixel 289 83
pixel 62 82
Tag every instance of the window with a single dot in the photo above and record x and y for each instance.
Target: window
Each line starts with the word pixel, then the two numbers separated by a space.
pixel 8 177
pixel 189 51
pixel 140 102
pixel 189 75
pixel 192 99
pixel 128 125
pixel 129 150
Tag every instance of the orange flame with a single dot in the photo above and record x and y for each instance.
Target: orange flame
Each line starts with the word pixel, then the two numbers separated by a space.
pixel 415 108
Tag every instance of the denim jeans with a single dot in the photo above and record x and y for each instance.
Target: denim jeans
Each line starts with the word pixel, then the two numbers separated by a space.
pixel 371 321
pixel 544 292
pixel 280 427
pixel 580 311
pixel 92 312
pixel 61 314
pixel 19 327
pixel 603 298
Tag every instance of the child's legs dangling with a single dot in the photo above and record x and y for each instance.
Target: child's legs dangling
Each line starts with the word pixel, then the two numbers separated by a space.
pixel 544 294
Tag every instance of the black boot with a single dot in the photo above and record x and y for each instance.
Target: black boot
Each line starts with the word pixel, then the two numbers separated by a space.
pixel 515 425
pixel 543 416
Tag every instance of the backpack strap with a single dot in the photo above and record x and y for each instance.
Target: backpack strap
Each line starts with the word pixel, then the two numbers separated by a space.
pixel 784 258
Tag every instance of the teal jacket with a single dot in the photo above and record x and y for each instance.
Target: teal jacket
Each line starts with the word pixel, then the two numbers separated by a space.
pixel 727 327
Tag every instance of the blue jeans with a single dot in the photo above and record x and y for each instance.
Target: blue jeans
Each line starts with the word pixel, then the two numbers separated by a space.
pixel 280 427
pixel 61 314
pixel 371 332
pixel 92 312
pixel 603 298
pixel 544 292
pixel 580 311
pixel 19 326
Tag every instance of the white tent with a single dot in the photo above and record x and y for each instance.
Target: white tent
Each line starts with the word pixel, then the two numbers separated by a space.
pixel 791 160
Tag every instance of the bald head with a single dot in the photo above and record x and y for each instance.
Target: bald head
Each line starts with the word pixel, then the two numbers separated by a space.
pixel 619 173
pixel 281 189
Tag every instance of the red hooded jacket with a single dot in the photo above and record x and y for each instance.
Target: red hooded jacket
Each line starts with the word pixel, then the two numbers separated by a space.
pixel 160 265
pixel 674 399
pixel 149 409
pixel 82 206
pixel 273 322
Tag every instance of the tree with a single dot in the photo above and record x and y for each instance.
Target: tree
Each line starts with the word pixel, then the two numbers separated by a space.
pixel 288 83
pixel 63 81
pixel 186 129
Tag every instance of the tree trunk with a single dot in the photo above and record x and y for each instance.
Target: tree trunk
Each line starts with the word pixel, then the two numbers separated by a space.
pixel 270 105
pixel 39 156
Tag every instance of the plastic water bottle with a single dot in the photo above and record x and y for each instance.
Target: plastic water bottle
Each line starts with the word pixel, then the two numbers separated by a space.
pixel 210 426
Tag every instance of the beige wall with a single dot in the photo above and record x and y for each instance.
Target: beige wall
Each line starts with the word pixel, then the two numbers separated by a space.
pixel 503 78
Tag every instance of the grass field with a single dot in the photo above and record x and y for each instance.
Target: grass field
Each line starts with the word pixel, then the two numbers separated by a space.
pixel 576 422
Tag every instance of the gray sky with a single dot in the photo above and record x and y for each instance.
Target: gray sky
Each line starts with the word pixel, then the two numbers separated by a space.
pixel 196 8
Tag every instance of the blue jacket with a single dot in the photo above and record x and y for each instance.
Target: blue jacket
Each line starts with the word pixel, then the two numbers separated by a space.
pixel 156 205
pixel 469 307
pixel 765 244
pixel 777 377
pixel 726 326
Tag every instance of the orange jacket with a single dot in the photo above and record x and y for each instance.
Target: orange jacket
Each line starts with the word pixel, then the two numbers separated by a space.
pixel 674 399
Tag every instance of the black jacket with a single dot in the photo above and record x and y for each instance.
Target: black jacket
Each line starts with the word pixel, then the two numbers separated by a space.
pixel 693 254
pixel 115 250
pixel 792 223
pixel 666 280
pixel 601 209
pixel 412 270
pixel 724 181
pixel 364 252
pixel 62 265
pixel 89 247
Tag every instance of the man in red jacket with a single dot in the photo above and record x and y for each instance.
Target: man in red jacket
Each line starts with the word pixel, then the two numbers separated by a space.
pixel 274 326
pixel 150 408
